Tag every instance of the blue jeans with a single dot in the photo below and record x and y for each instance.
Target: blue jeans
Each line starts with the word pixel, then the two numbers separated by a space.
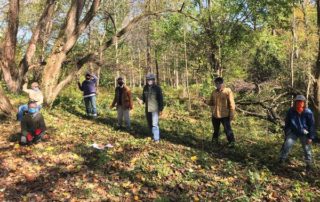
pixel 153 123
pixel 291 138
pixel 22 109
pixel 91 106
pixel 216 122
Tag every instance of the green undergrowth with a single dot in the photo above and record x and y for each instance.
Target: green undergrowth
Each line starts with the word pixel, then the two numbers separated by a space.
pixel 185 166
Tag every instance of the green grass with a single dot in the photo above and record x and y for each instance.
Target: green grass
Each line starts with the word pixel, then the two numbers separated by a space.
pixel 183 167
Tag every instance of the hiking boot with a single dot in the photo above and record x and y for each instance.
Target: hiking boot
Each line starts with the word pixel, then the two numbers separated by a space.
pixel 231 144
pixel 156 141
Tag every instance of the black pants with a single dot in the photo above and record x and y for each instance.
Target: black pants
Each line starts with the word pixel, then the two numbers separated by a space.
pixel 226 125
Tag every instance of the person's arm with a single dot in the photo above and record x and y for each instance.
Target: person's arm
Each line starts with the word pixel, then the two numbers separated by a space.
pixel 287 122
pixel 42 123
pixel 160 99
pixel 25 88
pixel 143 95
pixel 232 105
pixel 94 78
pixel 311 125
pixel 24 128
pixel 114 99
pixel 210 102
pixel 130 99
pixel 80 86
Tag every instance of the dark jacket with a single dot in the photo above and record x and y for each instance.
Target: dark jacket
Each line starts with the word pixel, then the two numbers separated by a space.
pixel 159 96
pixel 126 98
pixel 88 86
pixel 30 123
pixel 297 122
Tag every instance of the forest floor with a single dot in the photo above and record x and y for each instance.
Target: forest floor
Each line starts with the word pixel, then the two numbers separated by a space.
pixel 184 166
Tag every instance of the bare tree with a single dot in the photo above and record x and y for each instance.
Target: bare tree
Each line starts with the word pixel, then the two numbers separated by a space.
pixel 13 73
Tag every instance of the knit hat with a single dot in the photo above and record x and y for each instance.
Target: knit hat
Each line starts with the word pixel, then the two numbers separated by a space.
pixel 88 74
pixel 218 80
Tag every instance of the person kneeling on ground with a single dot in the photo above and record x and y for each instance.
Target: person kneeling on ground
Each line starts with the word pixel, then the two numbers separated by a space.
pixel 123 101
pixel 299 124
pixel 33 126
pixel 34 94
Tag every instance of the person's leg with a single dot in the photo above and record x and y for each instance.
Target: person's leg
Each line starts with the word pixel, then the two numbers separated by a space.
pixel 127 118
pixel 87 105
pixel 286 147
pixel 155 126
pixel 94 106
pixel 307 150
pixel 23 138
pixel 149 120
pixel 38 134
pixel 216 129
pixel 120 115
pixel 22 109
pixel 228 130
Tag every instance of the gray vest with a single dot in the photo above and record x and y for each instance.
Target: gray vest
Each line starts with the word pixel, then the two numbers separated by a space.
pixel 152 103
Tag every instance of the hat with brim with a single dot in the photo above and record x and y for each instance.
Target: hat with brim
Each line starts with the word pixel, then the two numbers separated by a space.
pixel 150 77
pixel 300 98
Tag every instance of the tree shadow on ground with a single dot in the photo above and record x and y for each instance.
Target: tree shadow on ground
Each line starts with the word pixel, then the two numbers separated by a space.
pixel 43 185
pixel 259 154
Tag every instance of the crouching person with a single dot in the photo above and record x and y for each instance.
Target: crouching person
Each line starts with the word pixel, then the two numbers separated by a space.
pixel 33 126
pixel 299 124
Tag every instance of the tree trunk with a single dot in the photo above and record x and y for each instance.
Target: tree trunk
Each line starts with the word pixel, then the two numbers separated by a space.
pixel 292 52
pixel 68 36
pixel 5 105
pixel 8 50
pixel 186 69
pixel 148 68
pixel 157 66
pixel 317 74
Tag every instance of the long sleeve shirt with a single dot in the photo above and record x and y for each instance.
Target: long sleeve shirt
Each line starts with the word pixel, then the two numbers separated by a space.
pixel 297 123
pixel 222 103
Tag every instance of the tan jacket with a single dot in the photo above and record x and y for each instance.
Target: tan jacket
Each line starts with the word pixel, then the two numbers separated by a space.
pixel 222 103
pixel 33 94
pixel 126 99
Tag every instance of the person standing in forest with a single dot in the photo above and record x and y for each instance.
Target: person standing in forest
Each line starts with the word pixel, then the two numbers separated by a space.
pixel 299 124
pixel 88 87
pixel 152 97
pixel 123 101
pixel 35 94
pixel 33 126
pixel 223 111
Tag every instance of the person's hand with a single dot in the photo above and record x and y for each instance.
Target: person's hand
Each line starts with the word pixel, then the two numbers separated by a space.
pixel 305 132
pixel 139 101
pixel 25 79
pixel 202 99
pixel 231 116
pixel 309 141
